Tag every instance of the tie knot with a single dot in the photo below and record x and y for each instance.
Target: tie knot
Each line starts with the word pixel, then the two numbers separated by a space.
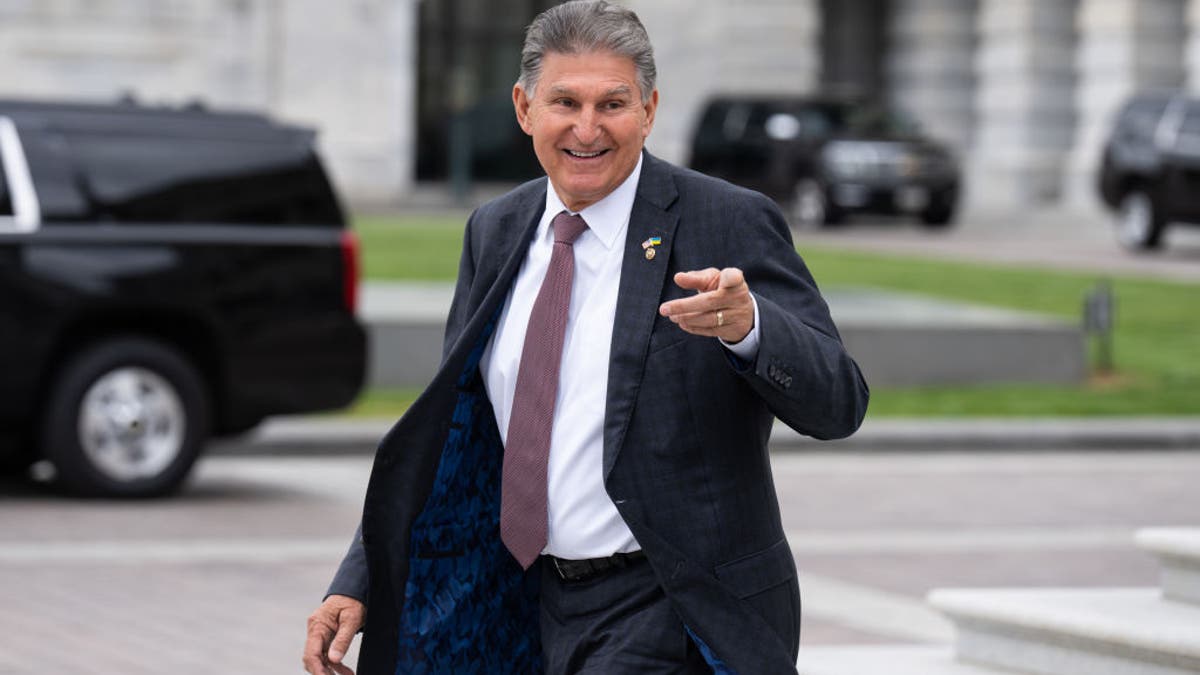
pixel 567 228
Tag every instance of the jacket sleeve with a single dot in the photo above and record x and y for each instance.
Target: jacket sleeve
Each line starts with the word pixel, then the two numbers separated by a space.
pixel 351 578
pixel 802 371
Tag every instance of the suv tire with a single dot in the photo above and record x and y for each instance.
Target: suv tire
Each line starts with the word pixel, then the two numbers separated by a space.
pixel 811 207
pixel 1140 222
pixel 937 216
pixel 126 417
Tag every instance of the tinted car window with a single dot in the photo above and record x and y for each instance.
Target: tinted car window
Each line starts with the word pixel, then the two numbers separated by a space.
pixel 5 199
pixel 735 123
pixel 1140 118
pixel 1189 130
pixel 876 121
pixel 816 122
pixel 137 179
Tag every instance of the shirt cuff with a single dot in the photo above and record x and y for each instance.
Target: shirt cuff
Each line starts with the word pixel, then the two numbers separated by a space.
pixel 747 349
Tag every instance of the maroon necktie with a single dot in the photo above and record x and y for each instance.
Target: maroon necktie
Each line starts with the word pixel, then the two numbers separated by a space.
pixel 527 449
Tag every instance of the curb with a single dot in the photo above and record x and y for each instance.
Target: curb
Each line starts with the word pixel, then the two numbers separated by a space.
pixel 1021 434
pixel 316 436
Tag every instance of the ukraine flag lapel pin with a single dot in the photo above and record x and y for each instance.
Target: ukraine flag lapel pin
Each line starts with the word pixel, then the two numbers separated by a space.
pixel 649 245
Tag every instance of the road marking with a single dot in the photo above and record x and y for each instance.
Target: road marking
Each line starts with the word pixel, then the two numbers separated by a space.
pixel 138 552
pixel 960 541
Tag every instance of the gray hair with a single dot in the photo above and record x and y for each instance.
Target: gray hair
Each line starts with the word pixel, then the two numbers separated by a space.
pixel 586 26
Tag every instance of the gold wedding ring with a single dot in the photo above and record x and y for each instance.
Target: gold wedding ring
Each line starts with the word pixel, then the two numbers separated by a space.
pixel 720 319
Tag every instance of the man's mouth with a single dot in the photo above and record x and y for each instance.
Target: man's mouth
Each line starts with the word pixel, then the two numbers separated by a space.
pixel 579 154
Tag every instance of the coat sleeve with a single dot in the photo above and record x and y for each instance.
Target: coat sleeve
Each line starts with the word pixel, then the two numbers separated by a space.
pixel 802 371
pixel 351 576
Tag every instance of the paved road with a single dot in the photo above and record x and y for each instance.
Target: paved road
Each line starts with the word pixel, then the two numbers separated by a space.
pixel 221 578
pixel 1080 240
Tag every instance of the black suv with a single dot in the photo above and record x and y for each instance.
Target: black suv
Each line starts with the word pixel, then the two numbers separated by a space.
pixel 165 275
pixel 823 158
pixel 1150 170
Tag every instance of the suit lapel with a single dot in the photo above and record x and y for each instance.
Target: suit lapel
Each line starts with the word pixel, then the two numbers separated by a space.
pixel 513 238
pixel 638 298
pixel 512 235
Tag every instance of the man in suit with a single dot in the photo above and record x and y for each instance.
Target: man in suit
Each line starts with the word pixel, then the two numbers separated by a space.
pixel 592 492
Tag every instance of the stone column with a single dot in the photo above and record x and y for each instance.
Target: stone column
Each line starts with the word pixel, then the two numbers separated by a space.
pixel 1024 102
pixel 99 51
pixel 350 70
pixel 1124 46
pixel 931 44
pixel 347 69
pixel 706 47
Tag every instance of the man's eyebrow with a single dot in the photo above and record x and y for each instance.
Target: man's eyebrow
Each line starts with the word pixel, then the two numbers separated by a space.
pixel 621 90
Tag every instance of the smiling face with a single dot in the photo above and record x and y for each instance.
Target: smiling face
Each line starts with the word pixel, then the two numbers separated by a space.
pixel 588 123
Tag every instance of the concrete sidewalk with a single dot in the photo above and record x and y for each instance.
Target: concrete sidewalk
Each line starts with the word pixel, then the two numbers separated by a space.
pixel 338 436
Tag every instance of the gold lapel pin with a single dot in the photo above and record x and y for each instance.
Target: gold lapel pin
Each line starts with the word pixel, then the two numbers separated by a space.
pixel 649 245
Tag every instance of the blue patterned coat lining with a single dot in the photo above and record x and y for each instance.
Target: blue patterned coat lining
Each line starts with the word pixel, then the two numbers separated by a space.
pixel 468 605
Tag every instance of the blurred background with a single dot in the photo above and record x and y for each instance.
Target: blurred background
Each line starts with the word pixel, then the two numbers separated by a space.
pixel 993 194
pixel 1022 90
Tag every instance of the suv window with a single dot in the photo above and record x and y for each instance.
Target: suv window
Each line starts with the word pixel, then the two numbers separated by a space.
pixel 138 179
pixel 1140 118
pixel 6 208
pixel 1189 130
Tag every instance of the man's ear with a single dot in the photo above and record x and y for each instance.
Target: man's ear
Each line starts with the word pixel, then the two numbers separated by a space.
pixel 650 106
pixel 521 105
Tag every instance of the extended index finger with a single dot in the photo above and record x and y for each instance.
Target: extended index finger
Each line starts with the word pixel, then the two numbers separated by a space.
pixel 698 280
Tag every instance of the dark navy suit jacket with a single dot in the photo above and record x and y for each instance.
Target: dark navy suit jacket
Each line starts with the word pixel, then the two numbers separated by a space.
pixel 685 445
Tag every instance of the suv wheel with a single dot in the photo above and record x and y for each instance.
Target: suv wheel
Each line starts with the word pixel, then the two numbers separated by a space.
pixel 937 216
pixel 1140 222
pixel 126 417
pixel 811 207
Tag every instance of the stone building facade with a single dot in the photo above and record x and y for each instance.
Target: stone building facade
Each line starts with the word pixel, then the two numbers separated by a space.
pixel 1023 89
pixel 345 67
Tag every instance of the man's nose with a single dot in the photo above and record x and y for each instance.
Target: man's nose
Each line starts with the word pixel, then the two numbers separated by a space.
pixel 587 127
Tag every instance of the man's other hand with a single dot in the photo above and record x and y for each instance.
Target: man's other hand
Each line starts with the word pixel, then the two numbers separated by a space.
pixel 721 308
pixel 331 628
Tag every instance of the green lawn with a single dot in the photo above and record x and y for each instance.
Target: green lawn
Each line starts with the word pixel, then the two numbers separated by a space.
pixel 1157 337
pixel 411 248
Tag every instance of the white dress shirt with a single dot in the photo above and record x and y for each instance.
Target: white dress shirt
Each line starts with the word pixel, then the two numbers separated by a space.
pixel 583 521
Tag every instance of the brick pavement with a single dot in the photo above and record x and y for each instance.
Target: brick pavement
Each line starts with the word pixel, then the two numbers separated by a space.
pixel 223 577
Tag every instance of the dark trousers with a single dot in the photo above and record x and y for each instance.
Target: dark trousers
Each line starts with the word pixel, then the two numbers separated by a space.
pixel 619 622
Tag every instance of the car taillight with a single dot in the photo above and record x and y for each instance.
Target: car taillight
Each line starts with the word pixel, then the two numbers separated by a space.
pixel 350 270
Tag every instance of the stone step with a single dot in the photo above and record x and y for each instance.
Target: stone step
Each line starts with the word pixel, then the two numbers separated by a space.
pixel 1119 631
pixel 885 660
pixel 1178 553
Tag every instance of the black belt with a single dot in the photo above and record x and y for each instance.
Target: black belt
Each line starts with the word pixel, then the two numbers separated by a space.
pixel 582 570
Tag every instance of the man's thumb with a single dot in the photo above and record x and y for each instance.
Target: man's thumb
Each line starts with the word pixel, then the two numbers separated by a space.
pixel 731 277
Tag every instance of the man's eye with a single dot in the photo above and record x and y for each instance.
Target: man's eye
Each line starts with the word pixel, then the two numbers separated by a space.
pixel 614 105
pixel 564 102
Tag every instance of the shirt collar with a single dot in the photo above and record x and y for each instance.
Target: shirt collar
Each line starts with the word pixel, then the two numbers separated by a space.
pixel 607 217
